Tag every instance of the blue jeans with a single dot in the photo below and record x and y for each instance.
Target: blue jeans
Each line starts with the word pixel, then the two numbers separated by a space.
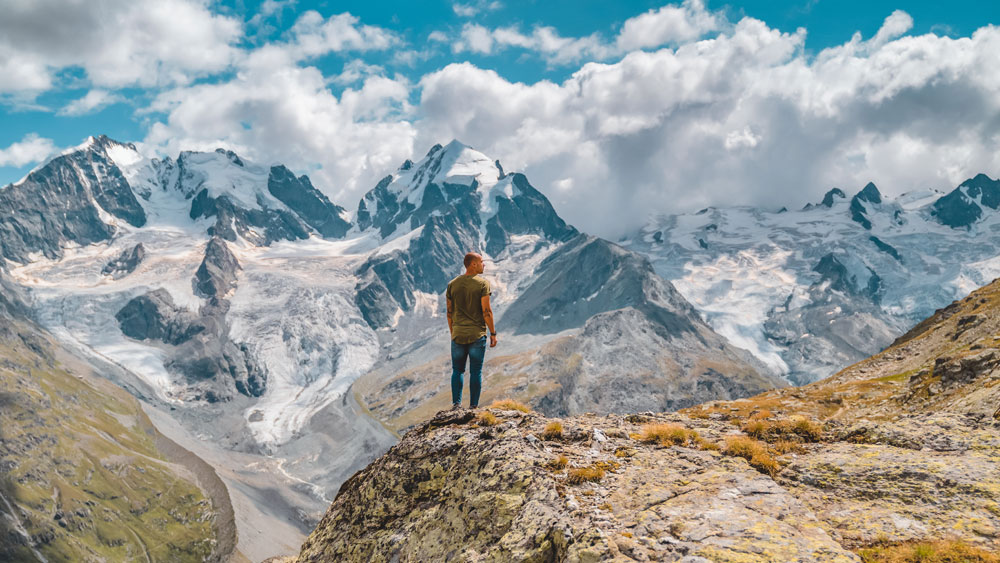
pixel 476 352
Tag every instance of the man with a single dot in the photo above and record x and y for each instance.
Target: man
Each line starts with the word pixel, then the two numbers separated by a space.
pixel 469 315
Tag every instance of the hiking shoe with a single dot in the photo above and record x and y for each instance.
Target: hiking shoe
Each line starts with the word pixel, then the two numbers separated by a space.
pixel 455 406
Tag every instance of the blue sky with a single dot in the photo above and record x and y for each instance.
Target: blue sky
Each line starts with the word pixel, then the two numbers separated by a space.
pixel 346 90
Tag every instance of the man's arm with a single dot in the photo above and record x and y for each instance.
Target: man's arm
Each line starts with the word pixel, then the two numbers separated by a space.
pixel 488 317
pixel 450 309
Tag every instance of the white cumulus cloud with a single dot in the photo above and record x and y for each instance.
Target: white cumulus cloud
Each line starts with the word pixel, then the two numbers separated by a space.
pixel 29 150
pixel 670 24
pixel 116 42
pixel 92 101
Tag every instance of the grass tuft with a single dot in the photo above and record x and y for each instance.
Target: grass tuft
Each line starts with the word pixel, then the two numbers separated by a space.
pixel 510 405
pixel 558 463
pixel 797 429
pixel 754 452
pixel 553 431
pixel 582 475
pixel 668 434
pixel 486 418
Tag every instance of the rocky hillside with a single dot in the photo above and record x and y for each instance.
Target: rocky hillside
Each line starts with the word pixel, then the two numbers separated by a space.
pixel 84 475
pixel 897 456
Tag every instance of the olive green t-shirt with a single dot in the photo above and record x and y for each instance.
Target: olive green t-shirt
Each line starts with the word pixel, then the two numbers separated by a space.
pixel 467 322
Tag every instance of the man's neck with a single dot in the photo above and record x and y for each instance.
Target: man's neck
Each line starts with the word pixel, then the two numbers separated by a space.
pixel 469 273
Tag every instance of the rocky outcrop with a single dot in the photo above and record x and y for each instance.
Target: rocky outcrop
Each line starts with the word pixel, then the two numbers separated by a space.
pixel 63 202
pixel 126 262
pixel 216 276
pixel 859 212
pixel 506 485
pixel 153 316
pixel 959 208
pixel 828 198
pixel 885 247
pixel 862 281
pixel 587 276
pixel 307 202
pixel 455 488
pixel 214 367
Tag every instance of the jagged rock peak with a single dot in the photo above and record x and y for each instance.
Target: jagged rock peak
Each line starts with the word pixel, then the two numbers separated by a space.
pixel 869 193
pixel 233 157
pixel 986 189
pixel 105 142
pixel 828 199
pixel 216 275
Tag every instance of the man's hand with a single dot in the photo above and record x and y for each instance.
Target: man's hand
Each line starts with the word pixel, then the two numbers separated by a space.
pixel 493 341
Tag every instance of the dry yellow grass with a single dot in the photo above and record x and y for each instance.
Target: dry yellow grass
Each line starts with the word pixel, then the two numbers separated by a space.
pixel 927 552
pixel 581 475
pixel 509 405
pixel 606 465
pixel 783 447
pixel 486 418
pixel 754 452
pixel 553 431
pixel 667 434
pixel 704 444
pixel 558 463
pixel 796 429
pixel 756 428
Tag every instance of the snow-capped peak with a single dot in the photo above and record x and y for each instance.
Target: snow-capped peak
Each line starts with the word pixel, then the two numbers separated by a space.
pixel 454 163
pixel 448 173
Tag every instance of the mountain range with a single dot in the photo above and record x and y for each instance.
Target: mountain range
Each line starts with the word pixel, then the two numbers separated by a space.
pixel 284 342
pixel 810 291
pixel 287 342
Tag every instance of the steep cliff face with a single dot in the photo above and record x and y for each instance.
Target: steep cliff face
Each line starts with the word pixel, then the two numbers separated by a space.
pixel 74 198
pixel 898 452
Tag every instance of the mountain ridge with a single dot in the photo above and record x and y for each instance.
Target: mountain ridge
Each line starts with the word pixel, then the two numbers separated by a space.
pixel 772 282
pixel 253 314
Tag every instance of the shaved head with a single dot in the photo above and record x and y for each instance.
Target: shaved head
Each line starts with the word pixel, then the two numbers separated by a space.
pixel 472 257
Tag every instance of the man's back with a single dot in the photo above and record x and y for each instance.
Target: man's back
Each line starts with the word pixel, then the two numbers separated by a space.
pixel 466 293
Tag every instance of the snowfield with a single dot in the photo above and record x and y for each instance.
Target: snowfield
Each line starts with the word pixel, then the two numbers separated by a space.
pixel 744 268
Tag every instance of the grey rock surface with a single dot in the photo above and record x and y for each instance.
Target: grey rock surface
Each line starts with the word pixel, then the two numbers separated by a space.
pixel 55 204
pixel 126 262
